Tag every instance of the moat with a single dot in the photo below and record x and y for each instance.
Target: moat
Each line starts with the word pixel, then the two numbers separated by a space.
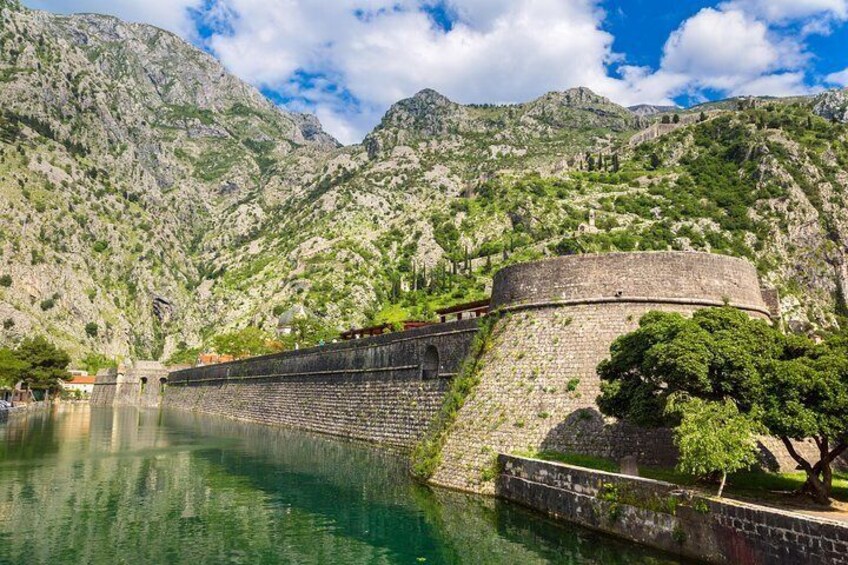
pixel 123 485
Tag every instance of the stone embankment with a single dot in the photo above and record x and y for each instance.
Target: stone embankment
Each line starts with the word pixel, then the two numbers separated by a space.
pixel 662 515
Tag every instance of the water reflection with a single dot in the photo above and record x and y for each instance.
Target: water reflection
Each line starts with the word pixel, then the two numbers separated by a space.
pixel 139 486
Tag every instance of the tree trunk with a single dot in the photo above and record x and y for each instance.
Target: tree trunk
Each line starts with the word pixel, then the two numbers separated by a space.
pixel 819 476
pixel 723 481
pixel 817 489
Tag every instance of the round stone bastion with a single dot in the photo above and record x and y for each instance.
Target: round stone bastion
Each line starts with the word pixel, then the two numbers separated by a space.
pixel 556 320
pixel 675 277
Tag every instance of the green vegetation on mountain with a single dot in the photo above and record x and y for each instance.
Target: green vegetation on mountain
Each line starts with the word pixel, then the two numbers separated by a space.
pixel 150 201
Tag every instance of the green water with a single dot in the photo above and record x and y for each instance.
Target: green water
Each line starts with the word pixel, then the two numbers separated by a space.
pixel 84 485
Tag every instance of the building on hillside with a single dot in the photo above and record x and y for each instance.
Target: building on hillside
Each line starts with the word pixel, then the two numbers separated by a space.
pixel 285 323
pixel 205 359
pixel 465 311
pixel 81 382
pixel 359 333
pixel 16 395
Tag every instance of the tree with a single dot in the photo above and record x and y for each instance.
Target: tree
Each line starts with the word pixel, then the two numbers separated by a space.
pixel 713 437
pixel 246 342
pixel 702 117
pixel 91 329
pixel 93 362
pixel 665 120
pixel 794 388
pixel 11 368
pixel 306 332
pixel 46 364
pixel 676 119
pixel 655 161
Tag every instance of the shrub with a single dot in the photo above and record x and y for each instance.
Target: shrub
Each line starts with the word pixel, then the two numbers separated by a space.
pixel 47 304
pixel 6 280
pixel 91 329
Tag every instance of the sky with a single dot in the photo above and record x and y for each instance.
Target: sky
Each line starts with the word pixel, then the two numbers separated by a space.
pixel 347 61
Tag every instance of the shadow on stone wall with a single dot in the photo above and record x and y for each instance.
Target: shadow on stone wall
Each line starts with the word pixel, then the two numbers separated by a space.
pixel 587 432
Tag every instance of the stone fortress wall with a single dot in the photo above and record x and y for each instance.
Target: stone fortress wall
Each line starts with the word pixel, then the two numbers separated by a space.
pixel 385 389
pixel 141 383
pixel 558 318
pixel 538 385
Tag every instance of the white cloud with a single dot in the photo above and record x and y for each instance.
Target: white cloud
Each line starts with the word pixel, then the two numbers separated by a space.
pixel 839 78
pixel 724 50
pixel 497 51
pixel 777 84
pixel 172 15
pixel 786 11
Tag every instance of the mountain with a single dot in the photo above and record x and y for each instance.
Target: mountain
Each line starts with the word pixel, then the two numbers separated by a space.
pixel 151 200
pixel 833 105
pixel 645 110
pixel 124 152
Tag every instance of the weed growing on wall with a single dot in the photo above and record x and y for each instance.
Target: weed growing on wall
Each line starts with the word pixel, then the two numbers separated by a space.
pixel 427 454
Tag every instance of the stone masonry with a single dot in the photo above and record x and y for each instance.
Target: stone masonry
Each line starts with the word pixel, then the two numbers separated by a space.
pixel 538 385
pixel 558 318
pixel 384 389
pixel 141 383
pixel 661 515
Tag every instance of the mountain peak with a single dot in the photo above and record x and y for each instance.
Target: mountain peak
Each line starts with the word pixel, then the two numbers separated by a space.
pixel 428 94
pixel 426 114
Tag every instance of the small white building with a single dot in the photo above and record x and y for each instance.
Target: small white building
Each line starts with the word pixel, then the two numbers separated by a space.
pixel 285 323
pixel 80 382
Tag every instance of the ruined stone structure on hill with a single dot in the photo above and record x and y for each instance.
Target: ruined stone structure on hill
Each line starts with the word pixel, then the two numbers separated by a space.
pixel 555 322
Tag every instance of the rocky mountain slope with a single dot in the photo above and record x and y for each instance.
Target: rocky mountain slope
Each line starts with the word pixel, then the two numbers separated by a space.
pixel 150 200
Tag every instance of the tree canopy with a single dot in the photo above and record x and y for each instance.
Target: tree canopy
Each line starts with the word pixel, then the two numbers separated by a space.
pixel 11 368
pixel 795 388
pixel 45 364
pixel 246 342
pixel 714 437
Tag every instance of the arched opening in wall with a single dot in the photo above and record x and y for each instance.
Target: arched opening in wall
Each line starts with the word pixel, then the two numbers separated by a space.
pixel 430 363
pixel 143 384
pixel 163 382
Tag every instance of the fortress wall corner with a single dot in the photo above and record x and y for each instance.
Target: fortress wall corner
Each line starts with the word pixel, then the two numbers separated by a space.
pixel 558 318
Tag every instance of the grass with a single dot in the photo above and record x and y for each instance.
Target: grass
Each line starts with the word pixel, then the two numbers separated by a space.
pixel 757 485
pixel 427 454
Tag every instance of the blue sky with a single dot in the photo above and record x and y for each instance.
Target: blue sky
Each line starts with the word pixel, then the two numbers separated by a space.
pixel 348 60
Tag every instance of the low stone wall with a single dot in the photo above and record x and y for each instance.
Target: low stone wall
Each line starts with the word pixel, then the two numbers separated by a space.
pixel 662 515
pixel 23 409
pixel 384 389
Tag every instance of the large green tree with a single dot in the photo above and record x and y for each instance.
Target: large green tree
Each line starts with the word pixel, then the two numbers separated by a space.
pixel 714 437
pixel 11 368
pixel 793 387
pixel 246 342
pixel 46 364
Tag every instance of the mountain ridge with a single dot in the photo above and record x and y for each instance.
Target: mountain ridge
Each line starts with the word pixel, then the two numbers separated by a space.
pixel 148 191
